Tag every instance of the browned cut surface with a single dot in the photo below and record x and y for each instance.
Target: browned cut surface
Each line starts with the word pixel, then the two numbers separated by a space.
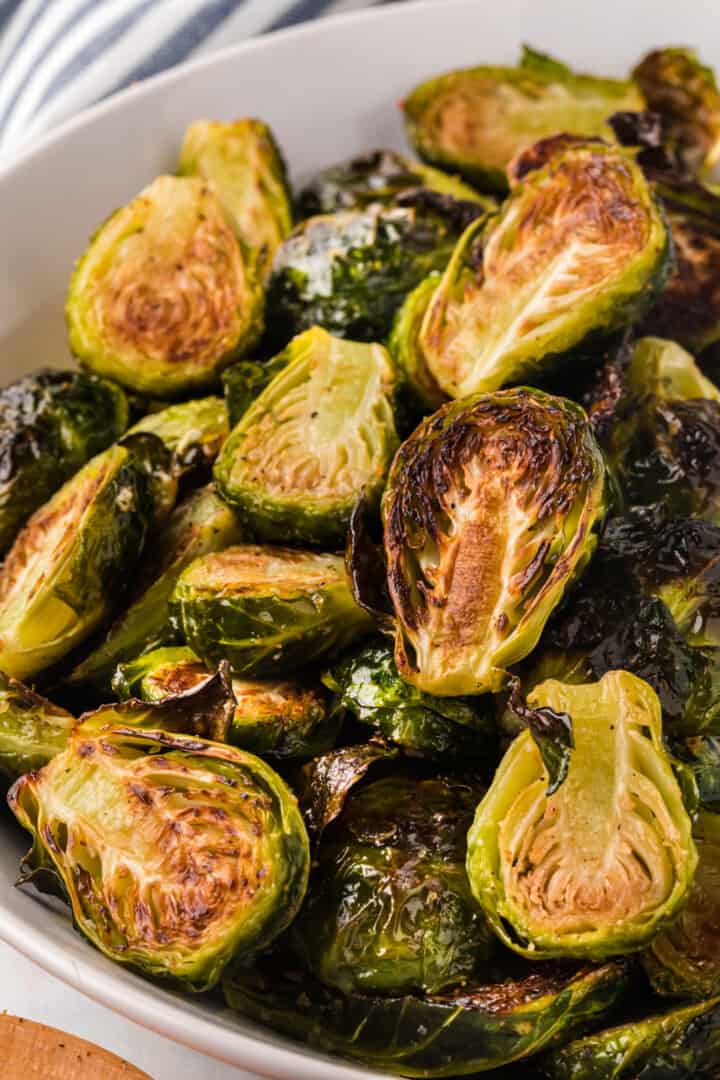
pixel 33 1051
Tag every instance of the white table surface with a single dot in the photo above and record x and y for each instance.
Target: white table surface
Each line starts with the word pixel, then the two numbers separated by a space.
pixel 26 990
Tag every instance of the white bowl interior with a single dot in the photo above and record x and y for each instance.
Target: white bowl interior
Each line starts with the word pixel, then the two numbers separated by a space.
pixel 329 90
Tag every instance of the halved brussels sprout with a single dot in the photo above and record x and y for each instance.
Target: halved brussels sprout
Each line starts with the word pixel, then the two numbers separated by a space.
pixel 702 754
pixel 32 729
pixel 176 854
pixel 51 423
pixel 475 120
pixel 70 564
pixel 243 165
pixel 579 249
pixel 269 611
pixel 680 1044
pixel 684 92
pixel 321 433
pixel 389 908
pixel 193 431
pixel 598 867
pixel 164 298
pixel 476 1028
pixel 406 352
pixel 379 177
pixel 202 523
pixel 489 513
pixel 245 381
pixel 684 959
pixel 367 684
pixel 280 719
pixel 349 272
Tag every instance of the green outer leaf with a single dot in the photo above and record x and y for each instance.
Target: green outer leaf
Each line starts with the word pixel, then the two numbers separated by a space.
pixel 245 381
pixel 318 435
pixel 32 729
pixel 620 789
pixel 680 1044
pixel 417 380
pixel 194 431
pixel 324 784
pixel 176 854
pixel 457 1034
pixel 667 371
pixel 701 753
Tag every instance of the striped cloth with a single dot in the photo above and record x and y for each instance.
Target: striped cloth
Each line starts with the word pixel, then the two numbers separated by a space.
pixel 57 56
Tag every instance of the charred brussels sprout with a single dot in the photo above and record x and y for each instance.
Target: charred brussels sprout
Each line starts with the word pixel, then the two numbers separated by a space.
pixel 389 908
pixel 489 513
pixel 683 91
pixel 193 431
pixel 368 685
pixel 175 854
pixel 201 524
pixel 274 718
pixel 379 177
pixel 474 121
pixel 70 564
pixel 349 272
pixel 578 250
pixel 267 610
pixel 51 423
pixel 476 1028
pixel 321 433
pixel 596 868
pixel 164 298
pixel 682 1043
pixel 32 729
pixel 244 167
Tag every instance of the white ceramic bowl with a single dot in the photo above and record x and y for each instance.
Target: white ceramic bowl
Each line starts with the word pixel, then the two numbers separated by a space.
pixel 329 89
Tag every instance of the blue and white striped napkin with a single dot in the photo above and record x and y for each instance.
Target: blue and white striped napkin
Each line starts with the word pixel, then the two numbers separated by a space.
pixel 57 56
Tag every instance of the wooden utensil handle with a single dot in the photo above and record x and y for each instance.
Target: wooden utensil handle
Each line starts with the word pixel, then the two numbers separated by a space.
pixel 31 1051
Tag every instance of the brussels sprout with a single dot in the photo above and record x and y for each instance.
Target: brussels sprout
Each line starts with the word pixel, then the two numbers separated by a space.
pixel 245 381
pixel 202 523
pixel 390 908
pixel 475 120
pixel 51 423
pixel 163 298
pixel 32 729
pixel 489 512
pixel 599 866
pixel 368 685
pixel 70 563
pixel 464 1031
pixel 280 719
pixel 684 959
pixel 379 177
pixel 683 91
pixel 409 357
pixel 176 854
pixel 316 437
pixel 350 271
pixel 702 754
pixel 663 370
pixel 267 610
pixel 243 165
pixel 193 431
pixel 578 250
pixel 680 1044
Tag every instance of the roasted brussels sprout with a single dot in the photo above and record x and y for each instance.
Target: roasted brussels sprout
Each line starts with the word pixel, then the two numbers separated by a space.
pixel 176 854
pixel 51 423
pixel 663 370
pixel 321 433
pixel 367 684
pixel 475 1028
pixel 474 121
pixel 683 91
pixel 245 381
pixel 390 909
pixel 202 523
pixel 163 298
pixel 349 272
pixel 596 868
pixel 680 1044
pixel 278 719
pixel 193 431
pixel 684 959
pixel 70 563
pixel 578 250
pixel 489 512
pixel 32 729
pixel 243 165
pixel 379 177
pixel 269 611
